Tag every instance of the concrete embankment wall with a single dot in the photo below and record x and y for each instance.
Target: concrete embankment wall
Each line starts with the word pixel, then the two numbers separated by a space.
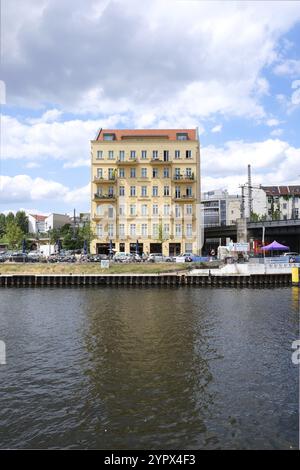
pixel 167 280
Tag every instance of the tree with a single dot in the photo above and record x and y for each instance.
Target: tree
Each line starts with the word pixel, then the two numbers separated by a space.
pixel 14 235
pixel 10 218
pixel 2 225
pixel 22 221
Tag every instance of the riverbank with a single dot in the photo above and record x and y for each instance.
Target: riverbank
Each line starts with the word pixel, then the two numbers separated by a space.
pixel 92 268
pixel 172 279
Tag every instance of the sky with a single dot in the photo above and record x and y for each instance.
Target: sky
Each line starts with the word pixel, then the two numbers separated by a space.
pixel 232 69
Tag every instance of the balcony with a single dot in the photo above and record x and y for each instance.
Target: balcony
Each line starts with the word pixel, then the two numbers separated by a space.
pixel 184 198
pixel 102 180
pixel 158 161
pixel 184 178
pixel 104 197
pixel 130 161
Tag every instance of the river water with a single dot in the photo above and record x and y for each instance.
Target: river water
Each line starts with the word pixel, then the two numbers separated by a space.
pixel 119 368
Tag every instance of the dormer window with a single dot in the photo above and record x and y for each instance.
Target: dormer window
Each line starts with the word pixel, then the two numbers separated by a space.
pixel 109 136
pixel 182 136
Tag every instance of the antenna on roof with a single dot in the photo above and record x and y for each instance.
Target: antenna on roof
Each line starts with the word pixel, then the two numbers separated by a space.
pixel 98 133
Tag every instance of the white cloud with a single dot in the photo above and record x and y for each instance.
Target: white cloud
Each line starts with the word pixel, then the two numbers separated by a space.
pixel 217 128
pixel 24 189
pixel 68 141
pixel 288 67
pixel 273 161
pixel 272 122
pixel 276 132
pixel 122 57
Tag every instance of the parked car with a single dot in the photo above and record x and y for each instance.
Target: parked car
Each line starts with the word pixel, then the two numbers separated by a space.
pixel 159 258
pixel 121 257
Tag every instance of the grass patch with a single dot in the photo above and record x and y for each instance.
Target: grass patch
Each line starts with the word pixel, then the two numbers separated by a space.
pixel 92 268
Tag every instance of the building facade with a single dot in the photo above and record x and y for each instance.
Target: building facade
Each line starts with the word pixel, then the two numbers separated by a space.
pixel 145 191
pixel 220 208
pixel 44 223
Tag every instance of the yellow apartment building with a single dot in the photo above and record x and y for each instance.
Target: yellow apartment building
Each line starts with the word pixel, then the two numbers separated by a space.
pixel 145 191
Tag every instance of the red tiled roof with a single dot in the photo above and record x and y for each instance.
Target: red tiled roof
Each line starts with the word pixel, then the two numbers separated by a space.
pixel 169 134
pixel 282 190
pixel 39 218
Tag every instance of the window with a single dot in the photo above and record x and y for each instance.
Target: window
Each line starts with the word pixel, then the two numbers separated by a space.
pixel 155 173
pixel 111 173
pixel 122 155
pixel 189 230
pixel 110 212
pixel 99 209
pixel 132 209
pixel 99 155
pixel 122 172
pixel 99 173
pixel 166 191
pixel 155 154
pixel 121 230
pixel 166 155
pixel 110 154
pixel 144 209
pixel 144 154
pixel 144 191
pixel 188 154
pixel 155 209
pixel 188 172
pixel 177 153
pixel 166 230
pixel 122 191
pixel 132 173
pixel 111 191
pixel 110 230
pixel 99 191
pixel 189 191
pixel 122 209
pixel 177 191
pixel 155 191
pixel 144 172
pixel 177 211
pixel 178 230
pixel 155 230
pixel 132 154
pixel 182 136
pixel 189 209
pixel 144 230
pixel 132 191
pixel 166 173
pixel 109 136
pixel 99 230
pixel 166 209
pixel 132 230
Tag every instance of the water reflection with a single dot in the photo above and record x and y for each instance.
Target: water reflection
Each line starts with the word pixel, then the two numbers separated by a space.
pixel 148 368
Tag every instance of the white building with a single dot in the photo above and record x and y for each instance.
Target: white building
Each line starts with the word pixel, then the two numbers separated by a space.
pixel 42 223
pixel 220 208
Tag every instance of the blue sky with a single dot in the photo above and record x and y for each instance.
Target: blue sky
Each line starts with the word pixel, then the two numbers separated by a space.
pixel 230 68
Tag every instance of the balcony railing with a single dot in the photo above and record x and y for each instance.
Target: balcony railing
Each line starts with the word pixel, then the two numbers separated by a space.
pixel 130 161
pixel 184 177
pixel 184 197
pixel 159 161
pixel 104 196
pixel 101 179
